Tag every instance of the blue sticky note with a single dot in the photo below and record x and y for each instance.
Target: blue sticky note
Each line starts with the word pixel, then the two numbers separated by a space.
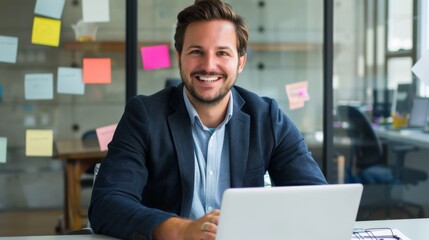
pixel 3 149
pixel 39 86
pixel 70 81
pixel 8 49
pixel 49 8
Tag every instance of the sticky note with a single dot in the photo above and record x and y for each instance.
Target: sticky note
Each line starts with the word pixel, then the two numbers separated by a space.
pixel 155 57
pixel 39 86
pixel 97 70
pixel 297 94
pixel 3 149
pixel 39 143
pixel 8 49
pixel 421 70
pixel 70 81
pixel 49 8
pixel 46 32
pixel 95 10
pixel 105 135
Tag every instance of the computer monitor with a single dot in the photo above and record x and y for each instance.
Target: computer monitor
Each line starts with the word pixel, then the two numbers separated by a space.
pixel 404 96
pixel 419 112
pixel 382 103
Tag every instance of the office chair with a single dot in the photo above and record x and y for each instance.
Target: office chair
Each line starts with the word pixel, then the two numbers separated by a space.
pixel 369 167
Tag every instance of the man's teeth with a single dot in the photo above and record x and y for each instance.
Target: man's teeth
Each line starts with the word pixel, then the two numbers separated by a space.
pixel 208 79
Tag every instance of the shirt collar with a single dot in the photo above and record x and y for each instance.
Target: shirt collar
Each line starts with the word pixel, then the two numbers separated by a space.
pixel 194 115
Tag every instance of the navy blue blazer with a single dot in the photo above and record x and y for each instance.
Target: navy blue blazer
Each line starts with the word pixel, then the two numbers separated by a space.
pixel 148 173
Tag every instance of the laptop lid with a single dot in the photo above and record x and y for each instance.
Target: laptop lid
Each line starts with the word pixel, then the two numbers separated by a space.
pixel 298 212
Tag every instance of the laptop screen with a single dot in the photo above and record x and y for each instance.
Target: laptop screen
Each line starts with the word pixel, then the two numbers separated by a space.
pixel 419 112
pixel 296 212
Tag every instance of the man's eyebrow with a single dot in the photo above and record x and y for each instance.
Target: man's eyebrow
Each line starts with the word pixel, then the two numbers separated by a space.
pixel 194 46
pixel 225 47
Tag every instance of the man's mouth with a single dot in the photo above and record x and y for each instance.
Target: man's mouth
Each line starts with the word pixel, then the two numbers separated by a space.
pixel 208 78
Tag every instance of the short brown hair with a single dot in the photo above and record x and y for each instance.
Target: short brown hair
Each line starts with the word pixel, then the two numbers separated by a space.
pixel 206 10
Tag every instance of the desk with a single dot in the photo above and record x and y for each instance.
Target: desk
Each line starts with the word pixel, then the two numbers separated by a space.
pixel 415 229
pixel 78 157
pixel 415 137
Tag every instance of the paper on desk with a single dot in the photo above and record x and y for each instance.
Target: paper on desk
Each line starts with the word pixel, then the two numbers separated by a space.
pixel 382 233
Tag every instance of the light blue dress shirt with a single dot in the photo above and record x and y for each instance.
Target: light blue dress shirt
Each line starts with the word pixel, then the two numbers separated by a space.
pixel 211 156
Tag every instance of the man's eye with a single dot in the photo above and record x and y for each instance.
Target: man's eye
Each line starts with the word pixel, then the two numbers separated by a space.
pixel 222 53
pixel 196 52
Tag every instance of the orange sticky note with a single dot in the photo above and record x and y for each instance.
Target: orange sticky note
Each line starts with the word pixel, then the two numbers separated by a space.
pixel 105 135
pixel 97 70
pixel 46 31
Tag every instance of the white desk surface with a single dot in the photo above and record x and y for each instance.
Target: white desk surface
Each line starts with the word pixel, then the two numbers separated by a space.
pixel 415 229
pixel 61 237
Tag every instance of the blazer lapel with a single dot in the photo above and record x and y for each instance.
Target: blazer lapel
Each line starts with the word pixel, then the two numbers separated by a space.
pixel 180 129
pixel 239 133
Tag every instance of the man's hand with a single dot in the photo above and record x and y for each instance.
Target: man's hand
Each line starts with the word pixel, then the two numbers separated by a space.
pixel 204 228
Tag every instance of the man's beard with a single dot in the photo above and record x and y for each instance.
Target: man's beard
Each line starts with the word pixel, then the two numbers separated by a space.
pixel 200 99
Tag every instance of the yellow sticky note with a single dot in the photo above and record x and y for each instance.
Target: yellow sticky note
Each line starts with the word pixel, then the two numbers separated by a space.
pixel 46 31
pixel 39 143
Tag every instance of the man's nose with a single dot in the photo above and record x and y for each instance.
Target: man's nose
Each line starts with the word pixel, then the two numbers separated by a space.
pixel 209 62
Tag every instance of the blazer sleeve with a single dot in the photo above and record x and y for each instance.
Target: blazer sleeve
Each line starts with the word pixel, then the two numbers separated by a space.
pixel 116 207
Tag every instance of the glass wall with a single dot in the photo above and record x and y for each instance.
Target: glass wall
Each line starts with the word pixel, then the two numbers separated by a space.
pixel 379 110
pixel 38 92
pixel 285 49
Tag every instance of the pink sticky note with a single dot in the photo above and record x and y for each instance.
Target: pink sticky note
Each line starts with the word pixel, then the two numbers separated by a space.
pixel 297 94
pixel 105 135
pixel 155 57
pixel 297 91
pixel 97 70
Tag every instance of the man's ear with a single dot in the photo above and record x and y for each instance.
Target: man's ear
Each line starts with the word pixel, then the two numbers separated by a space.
pixel 241 62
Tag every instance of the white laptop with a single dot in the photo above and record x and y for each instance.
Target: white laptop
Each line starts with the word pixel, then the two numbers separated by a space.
pixel 297 213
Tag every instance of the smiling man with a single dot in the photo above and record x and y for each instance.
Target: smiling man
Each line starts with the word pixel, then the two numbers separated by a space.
pixel 174 153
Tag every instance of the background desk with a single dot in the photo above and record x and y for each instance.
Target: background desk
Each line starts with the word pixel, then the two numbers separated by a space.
pixel 413 137
pixel 78 157
pixel 415 229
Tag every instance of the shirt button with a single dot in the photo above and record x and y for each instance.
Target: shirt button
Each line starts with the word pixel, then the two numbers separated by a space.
pixel 209 209
pixel 210 172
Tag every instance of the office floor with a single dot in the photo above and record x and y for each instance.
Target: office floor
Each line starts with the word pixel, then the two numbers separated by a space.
pixel 26 223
